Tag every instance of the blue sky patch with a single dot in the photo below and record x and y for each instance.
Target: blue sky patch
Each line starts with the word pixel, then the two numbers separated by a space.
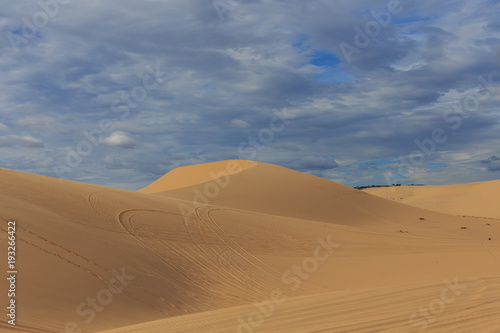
pixel 332 74
pixel 324 59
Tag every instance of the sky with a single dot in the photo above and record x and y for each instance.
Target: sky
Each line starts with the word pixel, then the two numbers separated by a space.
pixel 119 92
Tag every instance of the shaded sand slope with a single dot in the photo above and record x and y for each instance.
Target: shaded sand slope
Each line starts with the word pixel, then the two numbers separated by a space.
pixel 351 265
pixel 473 199
pixel 71 237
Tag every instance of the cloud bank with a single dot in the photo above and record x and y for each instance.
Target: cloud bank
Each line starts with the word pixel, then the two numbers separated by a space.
pixel 181 82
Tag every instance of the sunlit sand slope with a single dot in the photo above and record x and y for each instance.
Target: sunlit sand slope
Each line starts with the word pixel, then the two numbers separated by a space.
pixel 461 309
pixel 472 199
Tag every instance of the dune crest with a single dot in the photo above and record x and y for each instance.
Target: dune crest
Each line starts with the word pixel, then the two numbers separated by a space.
pixel 196 174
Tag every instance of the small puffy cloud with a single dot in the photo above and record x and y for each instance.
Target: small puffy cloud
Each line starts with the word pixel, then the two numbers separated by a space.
pixel 119 139
pixel 109 160
pixel 27 141
pixel 3 127
pixel 493 163
pixel 239 123
pixel 317 163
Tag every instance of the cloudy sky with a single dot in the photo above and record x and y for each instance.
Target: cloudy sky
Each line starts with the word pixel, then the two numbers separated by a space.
pixel 119 92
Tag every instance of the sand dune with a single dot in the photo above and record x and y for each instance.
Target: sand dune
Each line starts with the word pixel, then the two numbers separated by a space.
pixel 205 247
pixel 270 189
pixel 472 199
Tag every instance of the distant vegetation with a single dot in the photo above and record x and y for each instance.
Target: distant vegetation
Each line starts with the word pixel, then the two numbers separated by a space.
pixel 370 186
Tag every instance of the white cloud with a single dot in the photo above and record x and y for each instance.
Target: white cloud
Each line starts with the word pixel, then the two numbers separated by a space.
pixel 3 127
pixel 119 139
pixel 26 141
pixel 461 156
pixel 239 123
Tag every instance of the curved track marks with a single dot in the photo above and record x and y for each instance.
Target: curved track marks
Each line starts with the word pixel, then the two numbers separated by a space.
pixel 208 262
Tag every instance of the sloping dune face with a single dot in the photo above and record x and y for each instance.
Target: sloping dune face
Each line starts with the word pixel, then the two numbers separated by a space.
pixel 196 174
pixel 270 189
pixel 255 249
pixel 473 199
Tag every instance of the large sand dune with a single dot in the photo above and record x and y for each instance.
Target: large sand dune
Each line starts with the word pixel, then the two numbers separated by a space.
pixel 240 246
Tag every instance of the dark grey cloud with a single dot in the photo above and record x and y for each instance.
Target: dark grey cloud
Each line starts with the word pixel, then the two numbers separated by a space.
pixel 495 26
pixel 492 162
pixel 317 163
